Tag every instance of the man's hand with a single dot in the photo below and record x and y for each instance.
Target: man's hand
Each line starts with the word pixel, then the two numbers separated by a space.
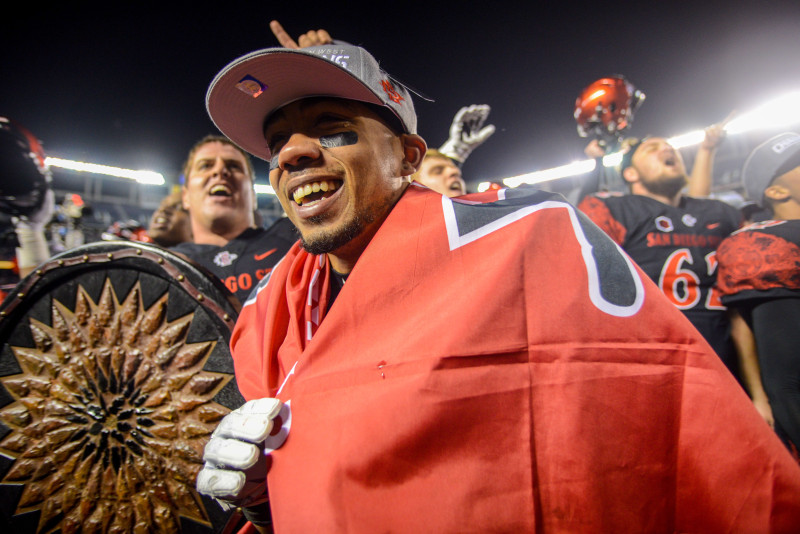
pixel 235 470
pixel 310 38
pixel 765 410
pixel 715 134
pixel 467 132
pixel 39 218
pixel 594 150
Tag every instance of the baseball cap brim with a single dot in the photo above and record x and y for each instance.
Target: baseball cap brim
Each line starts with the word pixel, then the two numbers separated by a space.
pixel 767 161
pixel 249 89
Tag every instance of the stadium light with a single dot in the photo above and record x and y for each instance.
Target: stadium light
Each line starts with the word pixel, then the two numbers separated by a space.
pixel 692 138
pixel 570 169
pixel 777 113
pixel 264 189
pixel 142 177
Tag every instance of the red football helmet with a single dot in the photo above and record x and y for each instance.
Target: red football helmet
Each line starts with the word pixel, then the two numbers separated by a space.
pixel 605 108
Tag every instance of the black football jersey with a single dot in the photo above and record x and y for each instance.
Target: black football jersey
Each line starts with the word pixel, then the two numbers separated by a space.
pixel 676 246
pixel 759 274
pixel 247 258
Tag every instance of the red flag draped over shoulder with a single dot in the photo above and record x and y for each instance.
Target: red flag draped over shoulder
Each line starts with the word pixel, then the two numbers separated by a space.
pixel 502 366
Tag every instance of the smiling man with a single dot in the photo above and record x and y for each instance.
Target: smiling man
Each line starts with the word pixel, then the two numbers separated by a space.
pixel 219 196
pixel 671 236
pixel 342 219
pixel 169 225
pixel 493 363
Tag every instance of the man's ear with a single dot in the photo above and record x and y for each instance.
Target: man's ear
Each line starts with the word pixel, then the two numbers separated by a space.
pixel 185 198
pixel 414 149
pixel 630 175
pixel 776 192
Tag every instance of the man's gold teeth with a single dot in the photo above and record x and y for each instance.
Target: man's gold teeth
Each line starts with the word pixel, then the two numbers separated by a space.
pixel 313 187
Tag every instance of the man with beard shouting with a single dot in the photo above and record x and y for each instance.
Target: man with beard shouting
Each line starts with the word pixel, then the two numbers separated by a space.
pixel 673 237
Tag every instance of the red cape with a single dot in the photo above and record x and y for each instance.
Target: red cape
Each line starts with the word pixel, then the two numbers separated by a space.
pixel 502 367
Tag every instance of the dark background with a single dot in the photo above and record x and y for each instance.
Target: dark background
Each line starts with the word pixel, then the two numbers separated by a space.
pixel 124 84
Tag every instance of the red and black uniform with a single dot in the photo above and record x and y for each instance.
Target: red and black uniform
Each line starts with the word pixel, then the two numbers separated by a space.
pixel 676 247
pixel 245 259
pixel 500 365
pixel 759 274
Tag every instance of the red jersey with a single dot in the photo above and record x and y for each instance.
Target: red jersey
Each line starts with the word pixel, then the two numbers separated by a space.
pixel 501 366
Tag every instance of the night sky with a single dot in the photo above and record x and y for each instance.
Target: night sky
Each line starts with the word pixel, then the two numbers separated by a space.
pixel 125 84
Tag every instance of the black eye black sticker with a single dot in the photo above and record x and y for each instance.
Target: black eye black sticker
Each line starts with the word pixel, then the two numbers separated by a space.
pixel 338 139
pixel 326 141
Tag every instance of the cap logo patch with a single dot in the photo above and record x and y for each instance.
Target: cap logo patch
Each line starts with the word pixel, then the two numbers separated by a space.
pixel 391 92
pixel 783 145
pixel 250 86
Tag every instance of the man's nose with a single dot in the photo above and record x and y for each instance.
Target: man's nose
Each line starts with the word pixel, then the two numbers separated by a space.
pixel 298 150
pixel 220 168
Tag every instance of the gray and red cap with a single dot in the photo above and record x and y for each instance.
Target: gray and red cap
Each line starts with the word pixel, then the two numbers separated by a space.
pixel 247 91
pixel 772 158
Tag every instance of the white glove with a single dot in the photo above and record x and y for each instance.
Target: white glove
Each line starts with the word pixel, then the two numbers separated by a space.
pixel 33 248
pixel 235 470
pixel 39 218
pixel 467 132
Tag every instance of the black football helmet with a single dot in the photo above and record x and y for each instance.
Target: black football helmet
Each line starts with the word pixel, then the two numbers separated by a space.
pixel 24 176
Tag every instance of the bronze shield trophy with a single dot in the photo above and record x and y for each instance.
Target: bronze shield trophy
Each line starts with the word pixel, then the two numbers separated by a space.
pixel 114 371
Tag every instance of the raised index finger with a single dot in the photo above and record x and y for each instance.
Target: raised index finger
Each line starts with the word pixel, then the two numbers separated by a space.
pixel 283 38
pixel 729 118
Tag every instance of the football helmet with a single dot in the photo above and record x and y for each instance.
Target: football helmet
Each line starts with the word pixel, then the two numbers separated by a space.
pixel 605 108
pixel 24 177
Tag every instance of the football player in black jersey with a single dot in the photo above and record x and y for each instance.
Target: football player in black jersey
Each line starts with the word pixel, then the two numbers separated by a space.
pixel 759 277
pixel 219 196
pixel 672 236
